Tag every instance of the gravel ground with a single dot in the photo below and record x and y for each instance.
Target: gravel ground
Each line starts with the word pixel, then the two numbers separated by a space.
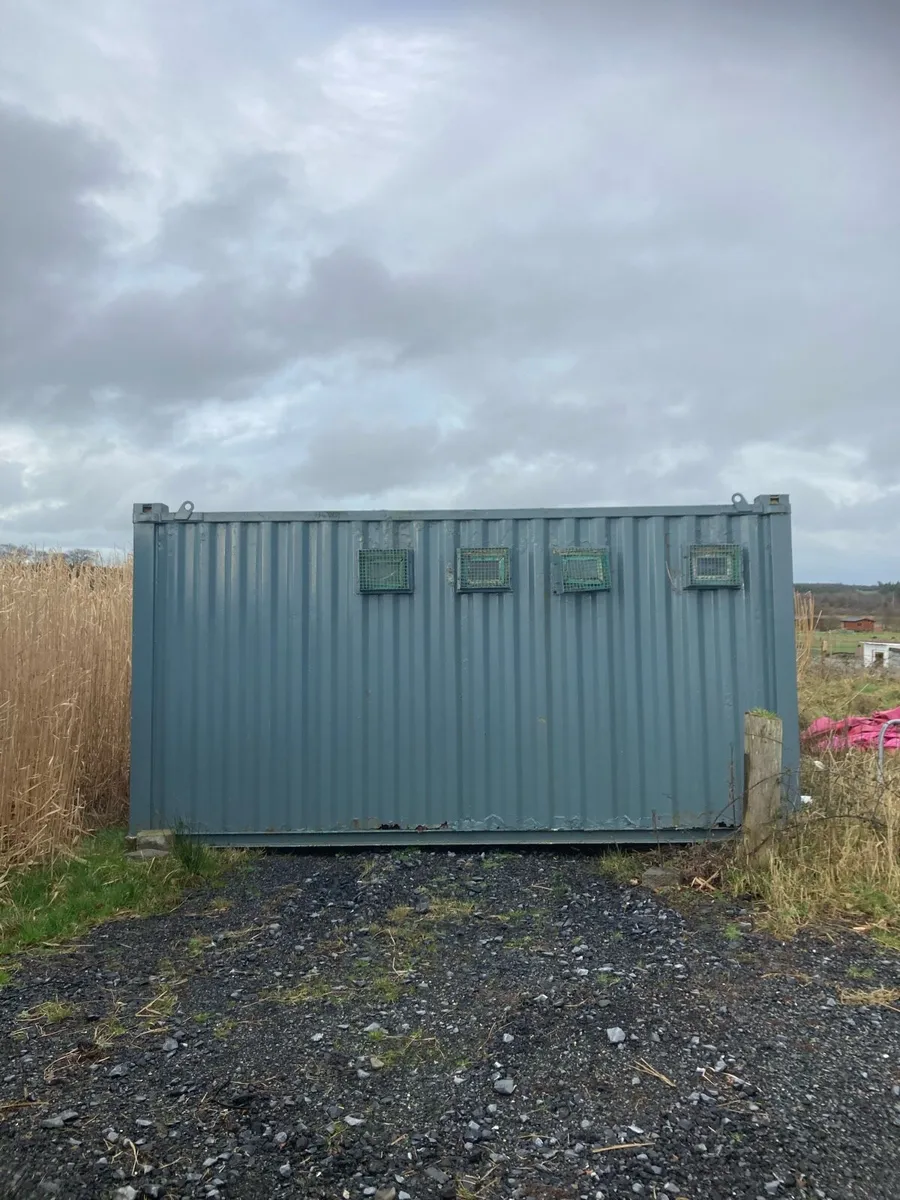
pixel 420 1025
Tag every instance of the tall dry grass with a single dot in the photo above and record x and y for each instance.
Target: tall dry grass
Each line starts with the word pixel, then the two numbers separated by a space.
pixel 65 679
pixel 837 857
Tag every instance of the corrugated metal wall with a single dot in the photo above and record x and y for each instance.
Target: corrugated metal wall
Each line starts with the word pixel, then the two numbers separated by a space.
pixel 274 703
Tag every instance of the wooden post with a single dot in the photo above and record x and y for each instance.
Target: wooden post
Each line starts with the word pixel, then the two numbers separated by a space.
pixel 763 736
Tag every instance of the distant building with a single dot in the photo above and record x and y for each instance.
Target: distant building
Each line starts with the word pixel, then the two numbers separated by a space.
pixel 858 624
pixel 881 654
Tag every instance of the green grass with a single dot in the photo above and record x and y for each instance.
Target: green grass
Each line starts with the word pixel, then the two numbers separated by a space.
pixel 620 866
pixel 887 938
pixel 197 860
pixel 846 641
pixel 43 906
pixel 732 932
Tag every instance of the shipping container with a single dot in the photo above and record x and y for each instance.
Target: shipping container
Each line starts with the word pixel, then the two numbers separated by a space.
pixel 566 675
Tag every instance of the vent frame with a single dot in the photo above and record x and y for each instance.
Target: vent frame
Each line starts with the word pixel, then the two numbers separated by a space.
pixel 569 580
pixel 384 571
pixel 723 566
pixel 468 581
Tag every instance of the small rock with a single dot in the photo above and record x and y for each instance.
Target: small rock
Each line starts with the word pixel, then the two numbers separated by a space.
pixel 660 877
pixel 169 1045
pixel 386 1193
pixel 354 1121
pixel 773 1187
pixel 154 839
pixel 508 1038
pixel 317 1037
pixel 374 1028
pixel 284 1170
pixel 126 1193
pixel 61 1119
pixel 439 1176
pixel 505 1087
pixel 376 1063
pixel 118 1071
pixel 616 1035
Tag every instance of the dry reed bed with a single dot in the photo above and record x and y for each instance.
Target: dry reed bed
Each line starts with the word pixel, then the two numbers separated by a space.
pixel 65 679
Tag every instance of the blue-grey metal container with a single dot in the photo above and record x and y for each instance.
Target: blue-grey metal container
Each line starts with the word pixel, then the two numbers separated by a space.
pixel 275 702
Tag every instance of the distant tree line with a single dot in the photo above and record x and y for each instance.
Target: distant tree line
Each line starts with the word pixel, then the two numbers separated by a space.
pixel 75 558
pixel 879 600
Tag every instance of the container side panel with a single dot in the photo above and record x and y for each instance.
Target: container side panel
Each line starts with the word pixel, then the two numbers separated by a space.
pixel 273 697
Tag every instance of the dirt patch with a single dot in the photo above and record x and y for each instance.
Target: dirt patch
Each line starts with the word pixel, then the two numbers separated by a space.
pixel 439 1025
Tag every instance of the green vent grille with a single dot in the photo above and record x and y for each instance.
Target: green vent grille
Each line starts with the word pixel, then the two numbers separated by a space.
pixel 715 566
pixel 483 570
pixel 583 570
pixel 384 571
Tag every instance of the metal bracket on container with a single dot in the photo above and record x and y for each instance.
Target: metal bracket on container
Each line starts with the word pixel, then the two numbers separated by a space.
pixel 184 513
pixel 739 500
pixel 881 736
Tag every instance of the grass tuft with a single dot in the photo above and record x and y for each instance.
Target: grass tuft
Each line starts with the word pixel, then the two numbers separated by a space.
pixel 879 997
pixel 310 991
pixel 109 1028
pixel 49 1012
pixel 621 866
pixel 197 859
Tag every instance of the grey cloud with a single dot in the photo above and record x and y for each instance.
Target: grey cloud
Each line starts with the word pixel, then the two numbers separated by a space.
pixel 366 459
pixel 54 238
pixel 250 219
pixel 12 490
pixel 351 298
pixel 153 345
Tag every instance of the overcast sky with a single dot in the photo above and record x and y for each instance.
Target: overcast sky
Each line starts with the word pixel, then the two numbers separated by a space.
pixel 339 253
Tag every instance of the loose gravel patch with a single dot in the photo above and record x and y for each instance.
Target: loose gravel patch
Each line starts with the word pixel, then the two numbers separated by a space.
pixel 422 1025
